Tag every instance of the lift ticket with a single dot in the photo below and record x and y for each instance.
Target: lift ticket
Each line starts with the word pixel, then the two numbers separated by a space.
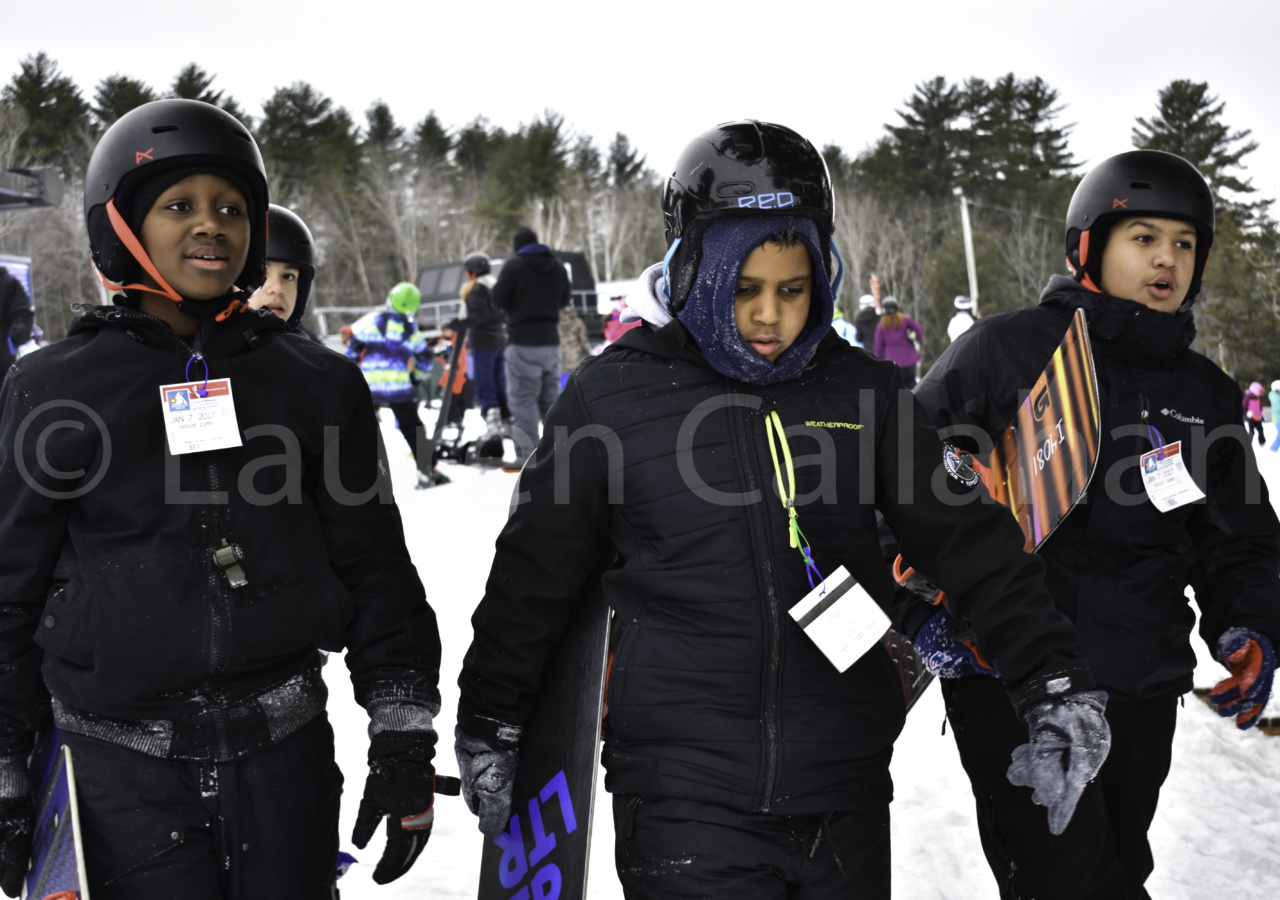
pixel 199 416
pixel 841 618
pixel 1166 478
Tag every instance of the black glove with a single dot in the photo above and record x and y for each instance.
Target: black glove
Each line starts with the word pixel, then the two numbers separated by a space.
pixel 401 786
pixel 488 773
pixel 1070 739
pixel 16 822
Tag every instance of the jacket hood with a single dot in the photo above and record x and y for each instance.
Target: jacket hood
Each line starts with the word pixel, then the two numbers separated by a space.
pixel 1126 329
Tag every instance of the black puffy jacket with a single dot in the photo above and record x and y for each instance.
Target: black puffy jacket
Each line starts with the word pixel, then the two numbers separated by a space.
pixel 486 324
pixel 1117 566
pixel 715 694
pixel 16 318
pixel 531 289
pixel 107 575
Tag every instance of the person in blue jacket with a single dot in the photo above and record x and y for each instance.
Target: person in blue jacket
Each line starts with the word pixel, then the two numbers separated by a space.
pixel 388 345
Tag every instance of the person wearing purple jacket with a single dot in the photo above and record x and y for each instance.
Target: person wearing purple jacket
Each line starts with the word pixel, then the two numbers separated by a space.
pixel 898 339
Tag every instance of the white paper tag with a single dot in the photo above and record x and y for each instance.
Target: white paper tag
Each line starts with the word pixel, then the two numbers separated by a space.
pixel 194 423
pixel 1167 480
pixel 841 618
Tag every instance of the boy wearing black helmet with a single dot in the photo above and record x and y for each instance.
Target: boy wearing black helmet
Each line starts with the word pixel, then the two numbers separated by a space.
pixel 1139 229
pixel 186 525
pixel 291 266
pixel 742 762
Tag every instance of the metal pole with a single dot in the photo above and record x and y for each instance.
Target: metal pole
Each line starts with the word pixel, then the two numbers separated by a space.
pixel 968 250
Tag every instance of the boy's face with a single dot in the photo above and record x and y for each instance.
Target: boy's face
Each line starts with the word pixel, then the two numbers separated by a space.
pixel 1150 261
pixel 197 234
pixel 771 304
pixel 279 293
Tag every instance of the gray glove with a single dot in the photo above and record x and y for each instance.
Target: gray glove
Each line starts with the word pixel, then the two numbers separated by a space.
pixel 488 773
pixel 1070 739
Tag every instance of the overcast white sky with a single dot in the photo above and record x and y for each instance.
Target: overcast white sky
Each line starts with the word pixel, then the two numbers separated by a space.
pixel 662 71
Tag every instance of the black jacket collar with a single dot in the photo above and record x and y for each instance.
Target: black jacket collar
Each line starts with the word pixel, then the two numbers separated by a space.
pixel 1123 329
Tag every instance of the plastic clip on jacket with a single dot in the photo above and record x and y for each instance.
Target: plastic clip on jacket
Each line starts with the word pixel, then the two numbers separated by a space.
pixel 230 557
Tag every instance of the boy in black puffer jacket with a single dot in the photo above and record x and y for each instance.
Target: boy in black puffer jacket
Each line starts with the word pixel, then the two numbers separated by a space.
pixel 733 743
pixel 1139 230
pixel 167 585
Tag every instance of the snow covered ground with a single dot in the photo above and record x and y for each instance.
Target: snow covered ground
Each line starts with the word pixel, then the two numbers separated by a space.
pixel 1216 832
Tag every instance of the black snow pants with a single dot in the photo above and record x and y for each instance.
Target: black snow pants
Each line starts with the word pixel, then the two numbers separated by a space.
pixel 1104 853
pixel 415 433
pixel 668 849
pixel 262 826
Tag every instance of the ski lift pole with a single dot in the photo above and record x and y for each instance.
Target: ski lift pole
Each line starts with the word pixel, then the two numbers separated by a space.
pixel 968 248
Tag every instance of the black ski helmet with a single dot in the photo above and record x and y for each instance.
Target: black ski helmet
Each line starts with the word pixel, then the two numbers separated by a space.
pixel 155 138
pixel 478 264
pixel 737 168
pixel 289 241
pixel 1140 182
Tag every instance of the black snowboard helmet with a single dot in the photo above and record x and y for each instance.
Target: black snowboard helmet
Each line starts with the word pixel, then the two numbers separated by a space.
pixel 741 168
pixel 478 264
pixel 289 241
pixel 1140 182
pixel 168 138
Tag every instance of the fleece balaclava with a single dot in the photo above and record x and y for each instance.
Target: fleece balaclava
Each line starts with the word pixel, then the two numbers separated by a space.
pixel 709 312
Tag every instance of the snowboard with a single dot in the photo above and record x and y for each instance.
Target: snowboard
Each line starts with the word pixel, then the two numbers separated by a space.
pixel 56 869
pixel 1040 468
pixel 544 852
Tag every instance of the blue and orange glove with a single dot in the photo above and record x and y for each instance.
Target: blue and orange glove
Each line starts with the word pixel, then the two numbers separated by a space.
pixel 1252 661
pixel 946 656
pixel 401 787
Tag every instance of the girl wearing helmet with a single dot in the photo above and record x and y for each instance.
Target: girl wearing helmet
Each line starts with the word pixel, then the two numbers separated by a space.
pixel 168 587
pixel 728 731
pixel 1139 228
pixel 1252 404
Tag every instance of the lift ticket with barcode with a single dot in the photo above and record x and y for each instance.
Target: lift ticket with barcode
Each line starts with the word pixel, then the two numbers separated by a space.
pixel 841 618
pixel 199 416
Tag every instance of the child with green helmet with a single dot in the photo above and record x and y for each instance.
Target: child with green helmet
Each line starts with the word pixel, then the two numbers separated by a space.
pixel 388 344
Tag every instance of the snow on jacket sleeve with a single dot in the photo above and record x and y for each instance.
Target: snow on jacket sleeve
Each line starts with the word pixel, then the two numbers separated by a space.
pixel 32 528
pixel 1237 541
pixel 554 541
pixel 973 550
pixel 393 643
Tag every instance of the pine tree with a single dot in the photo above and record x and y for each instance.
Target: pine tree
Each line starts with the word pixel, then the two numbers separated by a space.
pixel 117 95
pixel 193 83
pixel 626 164
pixel 922 155
pixel 57 127
pixel 1188 123
pixel 432 143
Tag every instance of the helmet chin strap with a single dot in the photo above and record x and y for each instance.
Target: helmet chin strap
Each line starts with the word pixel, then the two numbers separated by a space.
pixel 237 301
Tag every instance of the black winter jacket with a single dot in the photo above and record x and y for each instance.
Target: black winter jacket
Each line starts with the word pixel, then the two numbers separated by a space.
pixel 531 289
pixel 16 318
pixel 486 324
pixel 715 694
pixel 108 581
pixel 864 323
pixel 1117 566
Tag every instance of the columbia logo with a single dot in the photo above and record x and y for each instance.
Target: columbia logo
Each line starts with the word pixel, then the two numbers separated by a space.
pixel 1174 414
pixel 850 425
